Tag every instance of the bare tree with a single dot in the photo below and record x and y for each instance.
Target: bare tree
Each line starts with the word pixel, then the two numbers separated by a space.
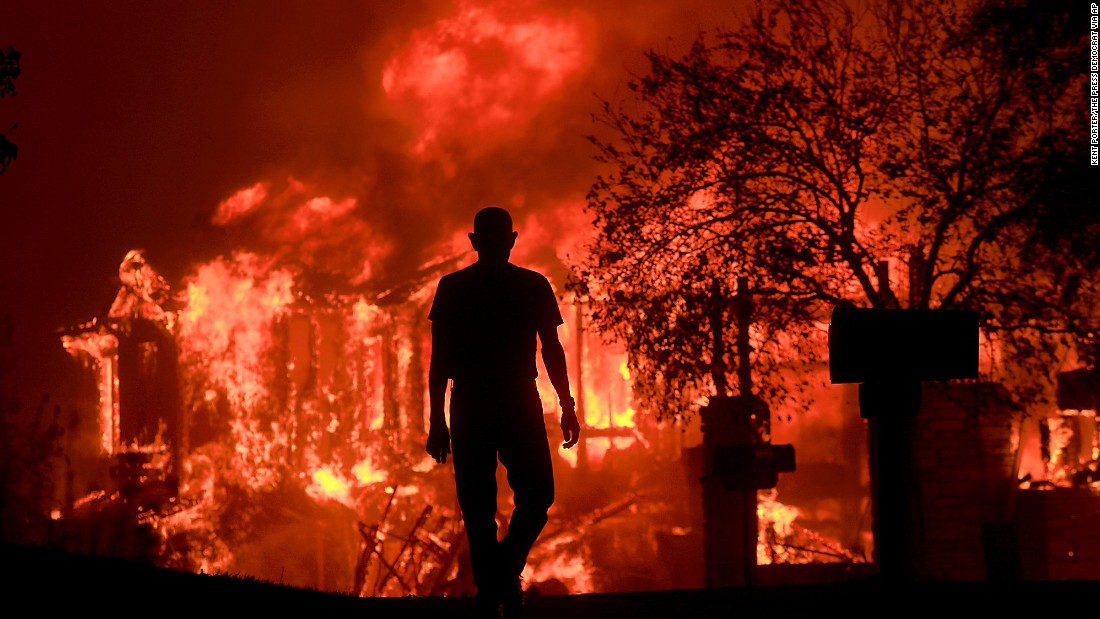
pixel 818 146
pixel 987 170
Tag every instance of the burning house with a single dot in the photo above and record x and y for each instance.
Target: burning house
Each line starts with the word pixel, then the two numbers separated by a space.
pixel 254 423
pixel 256 417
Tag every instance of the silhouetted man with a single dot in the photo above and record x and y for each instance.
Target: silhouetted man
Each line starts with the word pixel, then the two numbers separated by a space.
pixel 485 322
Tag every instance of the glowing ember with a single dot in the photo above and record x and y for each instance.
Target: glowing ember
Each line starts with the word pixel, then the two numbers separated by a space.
pixel 782 540
pixel 774 514
pixel 367 474
pixel 570 569
pixel 329 485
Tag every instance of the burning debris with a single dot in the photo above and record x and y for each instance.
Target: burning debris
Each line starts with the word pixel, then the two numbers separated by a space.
pixel 782 540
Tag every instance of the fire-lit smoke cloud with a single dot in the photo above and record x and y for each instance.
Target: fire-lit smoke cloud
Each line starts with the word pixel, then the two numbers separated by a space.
pixel 318 233
pixel 472 81
pixel 241 203
pixel 472 103
pixel 483 72
pixel 497 98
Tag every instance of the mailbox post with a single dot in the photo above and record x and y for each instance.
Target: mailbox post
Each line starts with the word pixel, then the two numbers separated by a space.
pixel 890 353
pixel 736 464
pixel 738 457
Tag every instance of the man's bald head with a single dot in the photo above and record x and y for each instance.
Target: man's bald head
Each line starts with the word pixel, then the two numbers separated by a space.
pixel 493 236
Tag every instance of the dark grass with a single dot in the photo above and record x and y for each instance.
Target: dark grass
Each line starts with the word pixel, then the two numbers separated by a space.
pixel 44 581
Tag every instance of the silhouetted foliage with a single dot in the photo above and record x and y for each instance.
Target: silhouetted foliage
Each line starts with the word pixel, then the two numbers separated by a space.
pixel 30 450
pixel 816 143
pixel 9 71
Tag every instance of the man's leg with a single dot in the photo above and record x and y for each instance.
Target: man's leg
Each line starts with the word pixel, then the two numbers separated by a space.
pixel 525 453
pixel 475 462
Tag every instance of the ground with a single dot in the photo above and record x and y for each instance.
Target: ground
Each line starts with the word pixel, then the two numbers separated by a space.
pixel 44 580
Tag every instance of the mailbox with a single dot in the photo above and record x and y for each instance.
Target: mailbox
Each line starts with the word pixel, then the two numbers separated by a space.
pixel 1079 390
pixel 869 345
pixel 752 465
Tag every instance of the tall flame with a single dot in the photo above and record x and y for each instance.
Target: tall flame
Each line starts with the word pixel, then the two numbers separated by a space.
pixel 225 335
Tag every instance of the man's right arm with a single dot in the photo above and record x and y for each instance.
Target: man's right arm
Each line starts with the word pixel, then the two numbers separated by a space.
pixel 439 373
pixel 439 437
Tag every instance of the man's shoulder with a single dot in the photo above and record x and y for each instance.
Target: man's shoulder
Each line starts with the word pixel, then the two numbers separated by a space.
pixel 474 277
pixel 456 277
pixel 528 275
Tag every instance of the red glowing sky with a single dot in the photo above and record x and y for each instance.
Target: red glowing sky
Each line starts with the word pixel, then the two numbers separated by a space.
pixel 137 119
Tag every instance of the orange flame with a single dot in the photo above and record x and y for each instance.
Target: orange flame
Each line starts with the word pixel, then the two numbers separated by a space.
pixel 225 329
pixel 328 484
pixel 571 569
pixel 367 474
pixel 227 320
pixel 98 350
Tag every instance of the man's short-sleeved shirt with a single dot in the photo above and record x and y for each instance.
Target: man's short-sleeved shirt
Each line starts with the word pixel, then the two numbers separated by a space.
pixel 486 321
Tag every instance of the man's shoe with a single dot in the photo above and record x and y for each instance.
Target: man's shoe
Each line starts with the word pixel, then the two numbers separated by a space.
pixel 511 599
pixel 488 608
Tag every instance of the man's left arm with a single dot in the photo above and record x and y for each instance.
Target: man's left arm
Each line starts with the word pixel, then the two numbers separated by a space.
pixel 553 355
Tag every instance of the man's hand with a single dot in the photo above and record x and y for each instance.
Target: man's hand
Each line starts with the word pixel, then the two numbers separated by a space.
pixel 439 442
pixel 570 425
